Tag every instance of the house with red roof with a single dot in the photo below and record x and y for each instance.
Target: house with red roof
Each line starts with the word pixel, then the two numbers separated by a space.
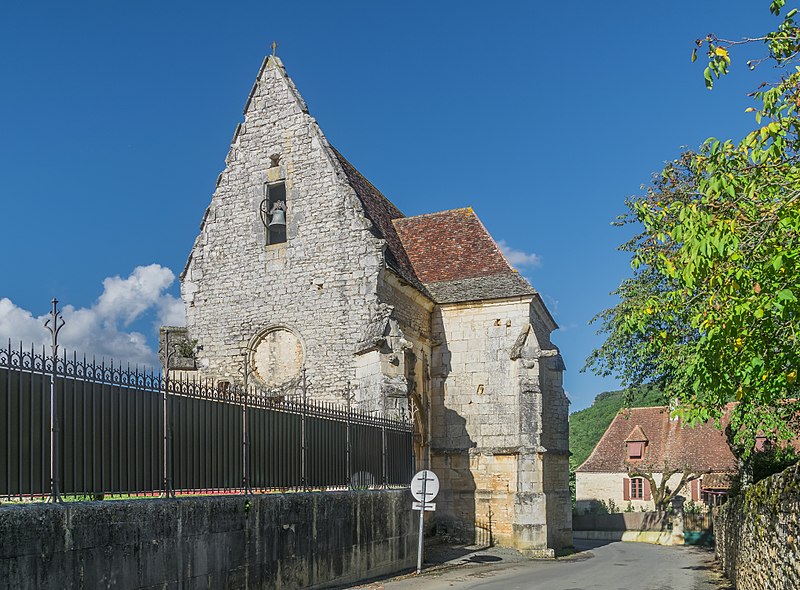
pixel 647 439
pixel 305 271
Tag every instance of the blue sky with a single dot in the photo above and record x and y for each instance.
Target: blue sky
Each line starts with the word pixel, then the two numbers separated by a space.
pixel 115 121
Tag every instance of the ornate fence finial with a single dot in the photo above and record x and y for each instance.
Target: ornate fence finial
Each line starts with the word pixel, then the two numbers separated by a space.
pixel 54 324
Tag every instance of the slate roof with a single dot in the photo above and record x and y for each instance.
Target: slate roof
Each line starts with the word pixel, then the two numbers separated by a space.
pixel 447 256
pixel 486 287
pixel 381 211
pixel 456 258
pixel 703 448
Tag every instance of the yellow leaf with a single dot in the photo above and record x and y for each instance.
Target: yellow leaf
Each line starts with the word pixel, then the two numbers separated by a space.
pixel 721 51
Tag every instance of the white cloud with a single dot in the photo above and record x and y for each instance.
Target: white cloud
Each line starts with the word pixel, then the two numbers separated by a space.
pixel 101 329
pixel 127 299
pixel 552 303
pixel 171 311
pixel 518 257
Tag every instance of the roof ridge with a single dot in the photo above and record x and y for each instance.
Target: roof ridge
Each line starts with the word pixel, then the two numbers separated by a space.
pixel 406 217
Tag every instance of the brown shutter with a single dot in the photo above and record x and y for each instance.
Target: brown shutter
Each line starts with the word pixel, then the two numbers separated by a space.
pixel 695 490
pixel 626 488
pixel 647 495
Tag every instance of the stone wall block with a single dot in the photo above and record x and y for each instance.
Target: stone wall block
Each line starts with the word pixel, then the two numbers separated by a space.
pixel 757 534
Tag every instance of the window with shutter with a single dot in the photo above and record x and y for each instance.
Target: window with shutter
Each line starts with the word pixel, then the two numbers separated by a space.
pixel 635 450
pixel 637 488
pixel 626 488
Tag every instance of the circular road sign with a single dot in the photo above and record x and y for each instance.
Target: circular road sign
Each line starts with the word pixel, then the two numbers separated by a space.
pixel 424 486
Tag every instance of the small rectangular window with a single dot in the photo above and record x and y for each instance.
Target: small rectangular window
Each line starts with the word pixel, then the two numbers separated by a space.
pixel 635 450
pixel 637 488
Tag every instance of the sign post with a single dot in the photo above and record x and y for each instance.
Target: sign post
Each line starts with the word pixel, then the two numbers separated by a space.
pixel 424 487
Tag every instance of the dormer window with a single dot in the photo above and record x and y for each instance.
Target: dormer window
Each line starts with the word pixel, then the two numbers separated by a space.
pixel 635 450
pixel 273 212
pixel 635 444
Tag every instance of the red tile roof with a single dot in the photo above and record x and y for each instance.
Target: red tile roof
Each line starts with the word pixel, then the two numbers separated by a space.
pixel 703 448
pixel 449 246
pixel 447 256
pixel 637 435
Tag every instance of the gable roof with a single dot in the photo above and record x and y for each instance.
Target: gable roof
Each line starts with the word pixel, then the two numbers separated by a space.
pixel 637 435
pixel 703 448
pixel 456 258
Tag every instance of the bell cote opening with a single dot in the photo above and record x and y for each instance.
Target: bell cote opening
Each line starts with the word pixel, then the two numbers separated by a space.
pixel 273 212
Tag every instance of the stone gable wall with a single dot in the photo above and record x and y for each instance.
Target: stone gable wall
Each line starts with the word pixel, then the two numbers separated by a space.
pixel 321 283
pixel 758 534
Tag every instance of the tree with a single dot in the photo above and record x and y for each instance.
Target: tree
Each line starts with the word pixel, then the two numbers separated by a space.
pixel 711 313
pixel 661 492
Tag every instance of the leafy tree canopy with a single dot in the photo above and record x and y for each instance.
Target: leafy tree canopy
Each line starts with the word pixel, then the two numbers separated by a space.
pixel 711 312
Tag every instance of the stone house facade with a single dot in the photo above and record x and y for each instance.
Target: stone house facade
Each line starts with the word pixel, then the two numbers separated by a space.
pixel 421 316
pixel 649 438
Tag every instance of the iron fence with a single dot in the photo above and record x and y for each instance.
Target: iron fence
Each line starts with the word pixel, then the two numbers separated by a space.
pixel 79 427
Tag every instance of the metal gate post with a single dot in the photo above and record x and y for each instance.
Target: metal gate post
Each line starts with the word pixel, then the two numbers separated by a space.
pixel 303 462
pixel 54 324
pixel 383 452
pixel 348 465
pixel 167 426
pixel 245 435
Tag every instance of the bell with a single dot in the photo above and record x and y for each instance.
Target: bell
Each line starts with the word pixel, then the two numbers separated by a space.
pixel 278 218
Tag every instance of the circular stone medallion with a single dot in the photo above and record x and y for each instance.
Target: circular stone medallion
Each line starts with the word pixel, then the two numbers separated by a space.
pixel 277 357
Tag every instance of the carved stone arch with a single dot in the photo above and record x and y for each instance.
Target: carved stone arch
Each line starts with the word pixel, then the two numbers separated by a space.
pixel 277 354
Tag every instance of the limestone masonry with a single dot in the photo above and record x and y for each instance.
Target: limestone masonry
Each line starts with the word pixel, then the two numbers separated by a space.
pixel 421 316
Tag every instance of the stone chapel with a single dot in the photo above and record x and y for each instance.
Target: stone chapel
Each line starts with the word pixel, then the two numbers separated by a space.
pixel 305 271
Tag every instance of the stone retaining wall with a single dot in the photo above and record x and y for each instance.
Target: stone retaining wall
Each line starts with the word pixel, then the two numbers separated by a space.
pixel 757 534
pixel 295 540
pixel 636 527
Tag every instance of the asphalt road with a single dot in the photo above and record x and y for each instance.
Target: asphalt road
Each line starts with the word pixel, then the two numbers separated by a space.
pixel 612 566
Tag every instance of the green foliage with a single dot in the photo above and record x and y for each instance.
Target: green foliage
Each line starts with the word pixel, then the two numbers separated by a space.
pixel 712 312
pixel 760 465
pixel 187 348
pixel 602 507
pixel 692 507
pixel 770 461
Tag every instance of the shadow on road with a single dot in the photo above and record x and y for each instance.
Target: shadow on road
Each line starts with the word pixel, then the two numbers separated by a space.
pixel 484 559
